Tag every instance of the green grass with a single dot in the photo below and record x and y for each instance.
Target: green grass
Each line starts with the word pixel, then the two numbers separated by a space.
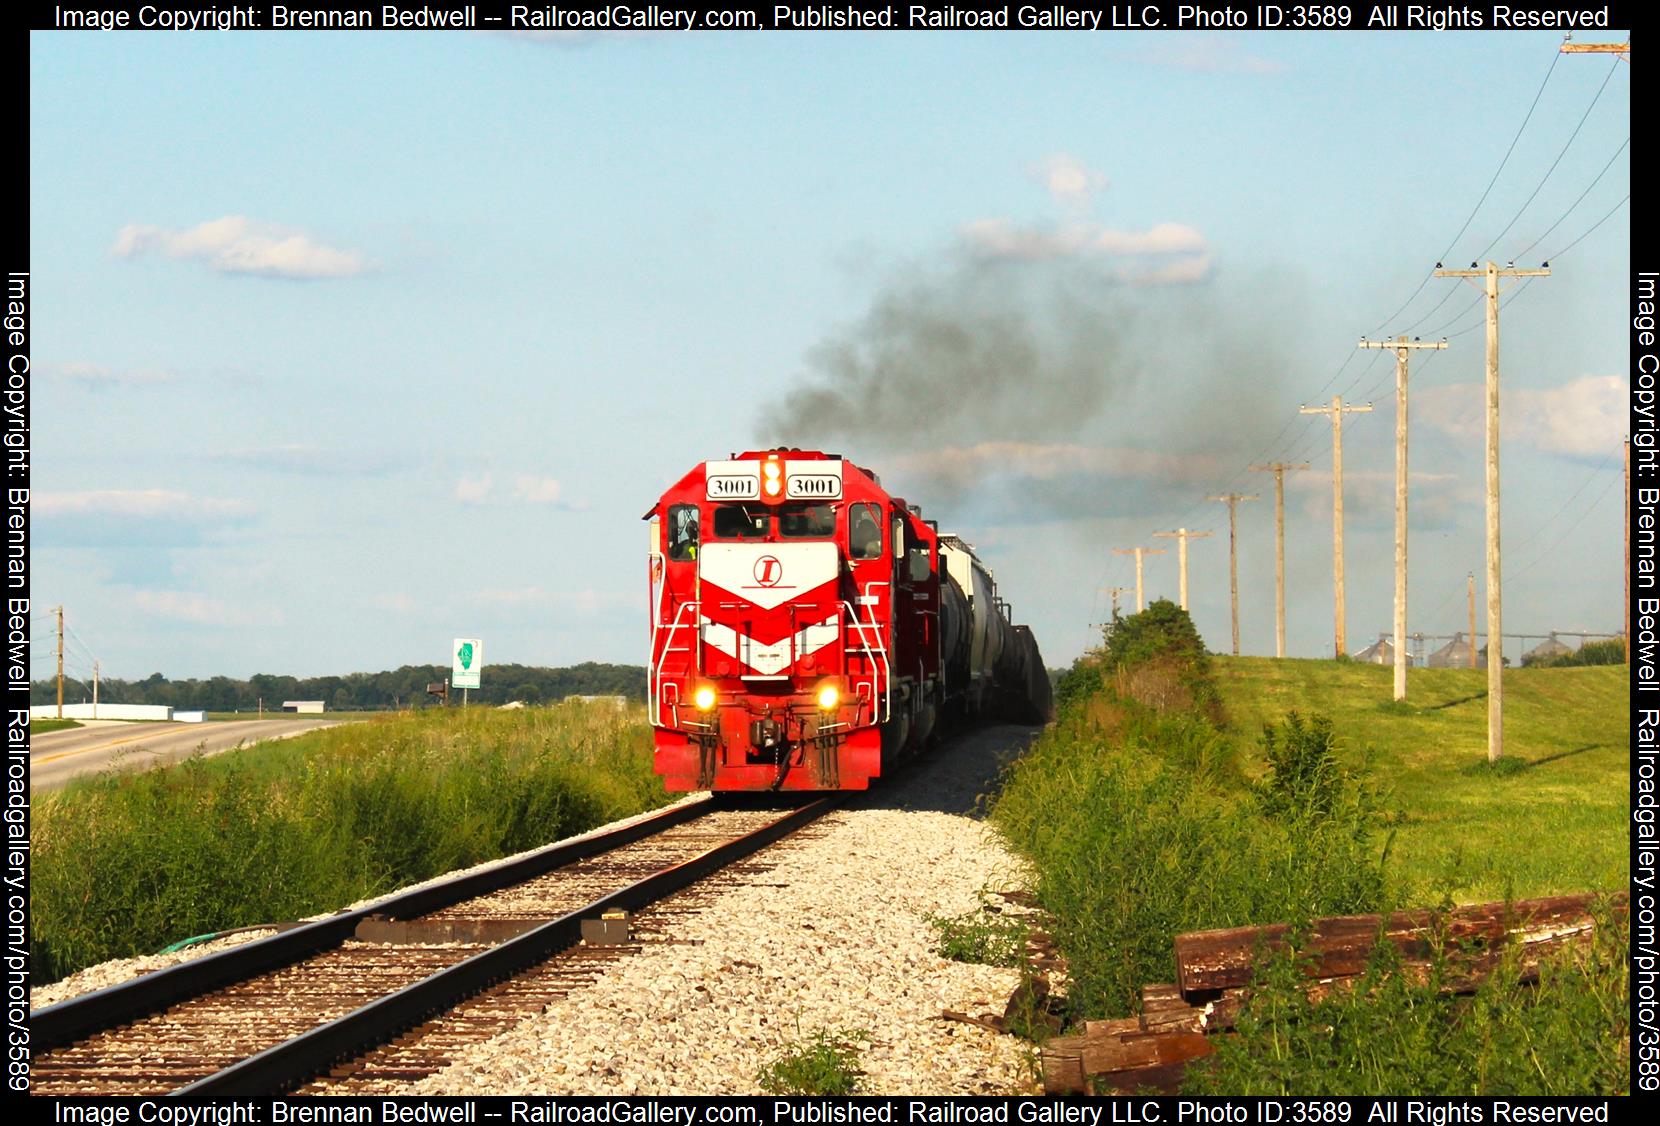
pixel 827 1063
pixel 42 726
pixel 1552 819
pixel 1145 812
pixel 125 863
pixel 1140 826
pixel 982 936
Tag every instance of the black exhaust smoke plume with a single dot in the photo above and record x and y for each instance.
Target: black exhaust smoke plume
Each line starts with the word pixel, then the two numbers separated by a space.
pixel 988 350
pixel 1031 390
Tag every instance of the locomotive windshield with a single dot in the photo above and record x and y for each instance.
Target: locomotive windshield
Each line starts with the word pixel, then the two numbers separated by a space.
pixel 795 521
pixel 740 522
pixel 807 521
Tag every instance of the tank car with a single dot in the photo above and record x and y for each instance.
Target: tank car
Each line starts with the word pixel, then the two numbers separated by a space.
pixel 809 629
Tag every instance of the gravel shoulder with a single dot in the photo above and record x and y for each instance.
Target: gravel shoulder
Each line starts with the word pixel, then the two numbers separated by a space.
pixel 835 936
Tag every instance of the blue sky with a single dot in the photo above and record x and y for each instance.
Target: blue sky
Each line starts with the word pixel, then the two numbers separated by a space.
pixel 349 344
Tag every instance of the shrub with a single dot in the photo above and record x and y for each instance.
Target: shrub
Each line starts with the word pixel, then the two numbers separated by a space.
pixel 825 1064
pixel 1304 778
pixel 1610 651
pixel 982 936
pixel 1159 660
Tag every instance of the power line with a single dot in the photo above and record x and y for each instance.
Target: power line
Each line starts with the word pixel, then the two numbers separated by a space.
pixel 1566 532
pixel 1623 146
pixel 1487 191
pixel 1583 118
pixel 1537 532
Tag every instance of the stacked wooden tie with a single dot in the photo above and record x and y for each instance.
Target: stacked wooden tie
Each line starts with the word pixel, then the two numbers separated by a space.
pixel 1214 970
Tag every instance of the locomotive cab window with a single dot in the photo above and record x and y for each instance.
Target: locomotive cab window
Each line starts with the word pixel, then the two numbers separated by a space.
pixel 864 532
pixel 920 562
pixel 740 522
pixel 807 521
pixel 682 532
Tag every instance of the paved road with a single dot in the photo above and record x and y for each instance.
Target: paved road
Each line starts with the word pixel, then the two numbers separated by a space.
pixel 58 756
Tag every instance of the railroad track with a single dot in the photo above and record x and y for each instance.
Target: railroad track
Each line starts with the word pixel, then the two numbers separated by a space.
pixel 354 997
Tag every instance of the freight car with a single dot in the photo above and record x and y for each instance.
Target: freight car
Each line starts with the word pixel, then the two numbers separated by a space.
pixel 809 630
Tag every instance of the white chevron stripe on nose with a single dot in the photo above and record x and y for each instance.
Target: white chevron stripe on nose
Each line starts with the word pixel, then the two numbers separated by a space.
pixel 769 660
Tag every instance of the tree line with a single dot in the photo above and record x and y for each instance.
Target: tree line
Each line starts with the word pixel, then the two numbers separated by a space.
pixel 359 691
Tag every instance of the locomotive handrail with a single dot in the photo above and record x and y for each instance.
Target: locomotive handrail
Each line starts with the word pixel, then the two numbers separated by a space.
pixel 656 565
pixel 655 709
pixel 880 654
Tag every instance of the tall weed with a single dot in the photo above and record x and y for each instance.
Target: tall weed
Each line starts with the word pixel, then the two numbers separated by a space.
pixel 128 862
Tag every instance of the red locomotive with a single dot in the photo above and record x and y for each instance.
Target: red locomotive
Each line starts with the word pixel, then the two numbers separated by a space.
pixel 808 629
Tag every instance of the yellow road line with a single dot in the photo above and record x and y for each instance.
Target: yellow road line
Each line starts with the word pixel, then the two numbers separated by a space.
pixel 98 747
pixel 85 750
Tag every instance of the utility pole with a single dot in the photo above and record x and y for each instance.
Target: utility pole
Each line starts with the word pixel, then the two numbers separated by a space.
pixel 1495 602
pixel 1337 410
pixel 1472 581
pixel 1115 592
pixel 1623 50
pixel 1232 501
pixel 1402 348
pixel 94 689
pixel 1138 552
pixel 1181 536
pixel 59 613
pixel 1278 469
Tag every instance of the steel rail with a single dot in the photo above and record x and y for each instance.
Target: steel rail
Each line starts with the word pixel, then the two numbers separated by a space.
pixel 285 1066
pixel 68 1021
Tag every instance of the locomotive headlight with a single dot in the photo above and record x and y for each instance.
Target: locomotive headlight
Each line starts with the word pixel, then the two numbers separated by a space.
pixel 773 478
pixel 704 698
pixel 828 697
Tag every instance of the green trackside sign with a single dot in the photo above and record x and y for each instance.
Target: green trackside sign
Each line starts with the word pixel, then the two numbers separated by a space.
pixel 467 659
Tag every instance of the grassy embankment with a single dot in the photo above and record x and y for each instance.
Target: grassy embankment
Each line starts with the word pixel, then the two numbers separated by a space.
pixel 43 726
pixel 126 863
pixel 1153 806
pixel 1553 817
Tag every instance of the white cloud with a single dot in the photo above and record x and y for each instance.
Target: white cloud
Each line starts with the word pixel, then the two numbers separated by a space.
pixel 1067 178
pixel 100 378
pixel 1435 499
pixel 527 488
pixel 1180 254
pixel 1584 418
pixel 398 603
pixel 201 609
pixel 237 245
pixel 1165 238
pixel 537 490
pixel 473 490
pixel 1180 271
pixel 311 460
pixel 145 503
